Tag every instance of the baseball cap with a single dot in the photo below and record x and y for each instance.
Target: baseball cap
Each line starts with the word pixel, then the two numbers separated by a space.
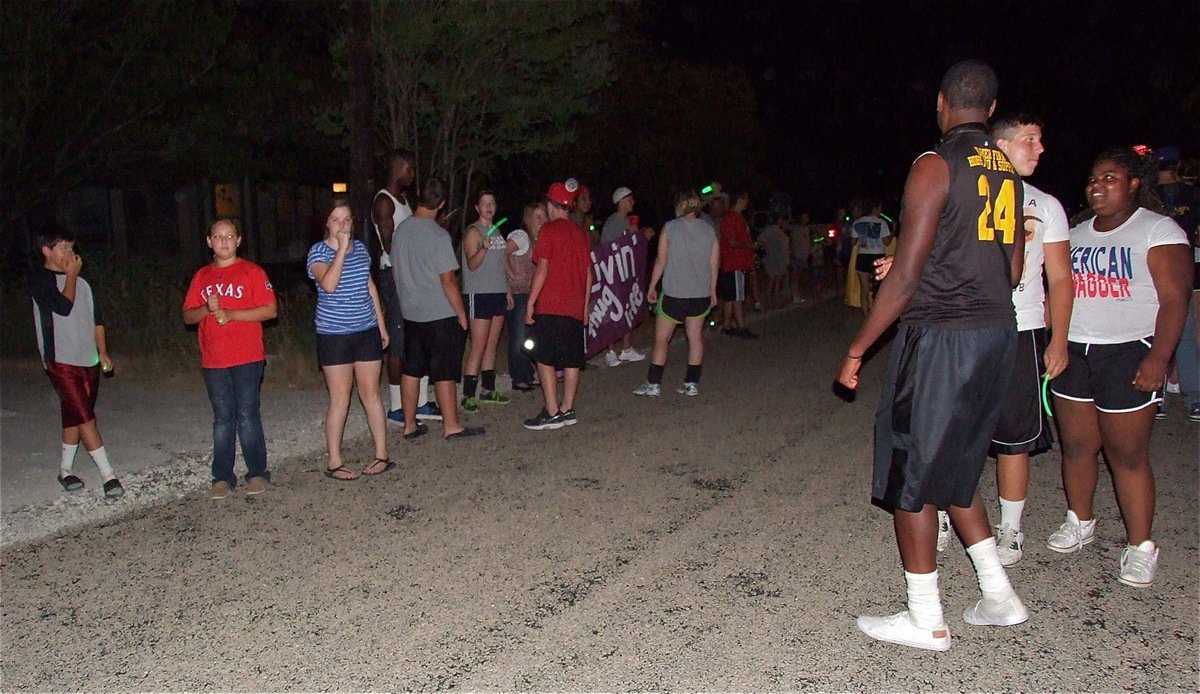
pixel 1164 155
pixel 560 195
pixel 620 194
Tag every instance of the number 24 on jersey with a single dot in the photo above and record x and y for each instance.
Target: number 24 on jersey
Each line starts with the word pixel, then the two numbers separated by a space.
pixel 999 213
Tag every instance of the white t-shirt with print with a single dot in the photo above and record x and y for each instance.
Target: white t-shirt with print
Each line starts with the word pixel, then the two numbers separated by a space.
pixel 1049 223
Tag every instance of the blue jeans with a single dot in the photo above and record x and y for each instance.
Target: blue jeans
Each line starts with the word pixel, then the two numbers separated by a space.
pixel 520 367
pixel 1187 357
pixel 234 392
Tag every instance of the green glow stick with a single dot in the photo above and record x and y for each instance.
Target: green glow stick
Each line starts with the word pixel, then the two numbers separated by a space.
pixel 492 229
pixel 1046 395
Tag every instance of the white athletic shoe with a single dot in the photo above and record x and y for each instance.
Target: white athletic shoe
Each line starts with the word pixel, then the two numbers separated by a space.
pixel 996 613
pixel 611 358
pixel 631 354
pixel 899 628
pixel 689 389
pixel 1009 545
pixel 1139 564
pixel 1173 387
pixel 651 389
pixel 1072 535
pixel 944 532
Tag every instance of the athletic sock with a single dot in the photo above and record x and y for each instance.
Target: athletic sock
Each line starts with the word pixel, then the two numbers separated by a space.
pixel 993 581
pixel 423 392
pixel 100 458
pixel 488 379
pixel 654 374
pixel 1010 513
pixel 394 397
pixel 470 384
pixel 924 599
pixel 68 458
pixel 693 374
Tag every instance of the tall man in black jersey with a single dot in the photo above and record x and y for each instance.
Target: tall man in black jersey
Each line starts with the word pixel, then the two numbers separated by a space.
pixel 951 289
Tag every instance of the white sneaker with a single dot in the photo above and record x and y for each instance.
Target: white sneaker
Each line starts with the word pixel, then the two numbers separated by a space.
pixel 1072 535
pixel 996 613
pixel 631 354
pixel 689 389
pixel 1173 387
pixel 1139 564
pixel 944 534
pixel 651 389
pixel 1009 545
pixel 899 628
pixel 610 358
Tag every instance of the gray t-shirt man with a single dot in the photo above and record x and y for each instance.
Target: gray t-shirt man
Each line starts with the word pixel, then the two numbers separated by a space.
pixel 690 243
pixel 421 253
pixel 614 227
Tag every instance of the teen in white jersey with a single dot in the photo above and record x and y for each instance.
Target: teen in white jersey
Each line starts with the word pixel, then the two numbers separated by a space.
pixel 1132 275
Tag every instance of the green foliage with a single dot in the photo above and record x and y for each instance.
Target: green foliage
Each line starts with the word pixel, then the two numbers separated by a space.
pixel 467 84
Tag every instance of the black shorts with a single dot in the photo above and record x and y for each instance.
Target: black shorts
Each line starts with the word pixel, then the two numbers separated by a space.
pixel 434 349
pixel 1024 426
pixel 678 310
pixel 391 312
pixel 865 262
pixel 336 350
pixel 938 409
pixel 1103 375
pixel 731 286
pixel 556 341
pixel 485 306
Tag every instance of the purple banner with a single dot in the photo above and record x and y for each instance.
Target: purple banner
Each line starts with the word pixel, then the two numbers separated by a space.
pixel 618 301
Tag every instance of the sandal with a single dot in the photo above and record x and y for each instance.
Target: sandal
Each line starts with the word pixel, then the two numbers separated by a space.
pixel 339 473
pixel 387 465
pixel 417 433
pixel 522 387
pixel 70 483
pixel 113 489
pixel 469 431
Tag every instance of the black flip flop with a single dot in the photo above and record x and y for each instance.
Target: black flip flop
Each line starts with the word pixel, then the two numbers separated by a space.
pixel 387 465
pixel 70 483
pixel 469 431
pixel 331 473
pixel 113 489
pixel 417 433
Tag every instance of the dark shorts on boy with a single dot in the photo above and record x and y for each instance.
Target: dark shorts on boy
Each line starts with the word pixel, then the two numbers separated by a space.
pixel 557 341
pixel 1024 426
pixel 338 350
pixel 76 387
pixel 678 310
pixel 865 262
pixel 939 407
pixel 485 306
pixel 731 286
pixel 434 349
pixel 1103 375
pixel 391 313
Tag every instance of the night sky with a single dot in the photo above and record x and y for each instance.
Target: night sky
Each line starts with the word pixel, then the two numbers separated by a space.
pixel 847 88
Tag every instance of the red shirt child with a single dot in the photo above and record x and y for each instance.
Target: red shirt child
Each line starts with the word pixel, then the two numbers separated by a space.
pixel 734 230
pixel 568 283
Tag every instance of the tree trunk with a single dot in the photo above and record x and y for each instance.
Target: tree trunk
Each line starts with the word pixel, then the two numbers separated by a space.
pixel 361 101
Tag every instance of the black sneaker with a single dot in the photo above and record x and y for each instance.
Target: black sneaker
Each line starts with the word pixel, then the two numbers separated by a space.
pixel 745 334
pixel 568 417
pixel 1161 412
pixel 544 420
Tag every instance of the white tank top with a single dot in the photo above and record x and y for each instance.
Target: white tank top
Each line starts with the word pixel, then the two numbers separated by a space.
pixel 400 212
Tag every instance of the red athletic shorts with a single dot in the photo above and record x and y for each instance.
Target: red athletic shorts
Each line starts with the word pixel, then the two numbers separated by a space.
pixel 76 387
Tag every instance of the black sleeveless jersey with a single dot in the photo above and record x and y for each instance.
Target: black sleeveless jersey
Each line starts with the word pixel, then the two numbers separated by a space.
pixel 966 283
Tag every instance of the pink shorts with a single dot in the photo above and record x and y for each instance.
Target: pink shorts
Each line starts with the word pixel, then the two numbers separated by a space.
pixel 77 387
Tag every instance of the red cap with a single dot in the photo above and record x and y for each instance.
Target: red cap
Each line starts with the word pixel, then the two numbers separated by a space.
pixel 559 195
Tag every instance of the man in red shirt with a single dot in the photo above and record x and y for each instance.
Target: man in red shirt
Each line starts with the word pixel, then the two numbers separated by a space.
pixel 557 308
pixel 737 262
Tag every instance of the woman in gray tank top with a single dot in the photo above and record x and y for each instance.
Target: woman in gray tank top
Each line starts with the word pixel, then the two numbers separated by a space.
pixel 687 264
pixel 486 297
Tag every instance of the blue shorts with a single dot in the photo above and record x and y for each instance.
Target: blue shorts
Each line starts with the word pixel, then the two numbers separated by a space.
pixel 485 306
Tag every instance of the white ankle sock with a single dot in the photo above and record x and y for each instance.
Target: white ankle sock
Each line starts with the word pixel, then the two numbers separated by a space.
pixel 924 599
pixel 100 457
pixel 68 458
pixel 1010 513
pixel 423 392
pixel 993 581
pixel 1073 518
pixel 394 397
